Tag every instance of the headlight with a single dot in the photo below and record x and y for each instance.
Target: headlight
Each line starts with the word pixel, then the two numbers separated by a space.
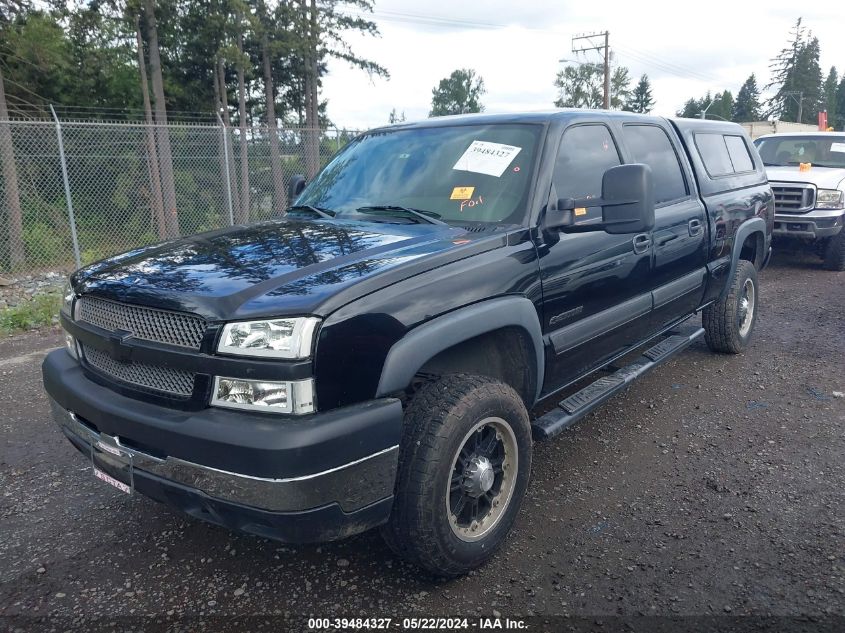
pixel 264 396
pixel 830 199
pixel 68 296
pixel 276 338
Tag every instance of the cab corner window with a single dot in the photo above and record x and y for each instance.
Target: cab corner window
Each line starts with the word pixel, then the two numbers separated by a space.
pixel 738 152
pixel 586 152
pixel 649 144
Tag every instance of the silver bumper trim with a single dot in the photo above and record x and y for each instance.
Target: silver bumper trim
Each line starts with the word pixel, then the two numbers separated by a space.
pixel 392 449
pixel 830 219
pixel 352 485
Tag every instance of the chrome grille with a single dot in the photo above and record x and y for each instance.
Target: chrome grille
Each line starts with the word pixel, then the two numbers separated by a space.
pixel 149 324
pixel 175 382
pixel 794 198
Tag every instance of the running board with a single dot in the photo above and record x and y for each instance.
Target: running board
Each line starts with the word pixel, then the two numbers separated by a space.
pixel 583 402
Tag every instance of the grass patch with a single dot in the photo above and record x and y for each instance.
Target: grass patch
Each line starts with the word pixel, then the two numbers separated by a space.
pixel 30 314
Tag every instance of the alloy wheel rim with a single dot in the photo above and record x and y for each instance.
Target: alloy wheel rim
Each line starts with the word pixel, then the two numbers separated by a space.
pixel 747 304
pixel 482 479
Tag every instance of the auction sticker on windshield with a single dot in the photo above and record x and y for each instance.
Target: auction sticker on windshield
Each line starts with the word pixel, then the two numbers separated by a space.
pixel 483 157
pixel 837 147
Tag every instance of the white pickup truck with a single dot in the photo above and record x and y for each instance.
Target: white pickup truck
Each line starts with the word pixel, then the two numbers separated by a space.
pixel 807 174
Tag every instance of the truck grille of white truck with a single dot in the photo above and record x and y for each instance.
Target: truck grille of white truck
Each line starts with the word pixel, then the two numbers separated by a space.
pixel 793 198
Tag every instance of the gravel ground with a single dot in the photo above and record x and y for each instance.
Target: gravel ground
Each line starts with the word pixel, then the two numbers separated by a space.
pixel 712 487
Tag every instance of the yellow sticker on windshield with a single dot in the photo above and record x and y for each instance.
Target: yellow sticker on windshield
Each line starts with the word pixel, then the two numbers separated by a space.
pixel 581 211
pixel 462 193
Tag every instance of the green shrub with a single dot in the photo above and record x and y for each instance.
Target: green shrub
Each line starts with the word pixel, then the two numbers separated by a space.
pixel 35 312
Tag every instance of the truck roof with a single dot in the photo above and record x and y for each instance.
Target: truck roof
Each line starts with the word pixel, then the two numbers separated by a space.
pixel 547 116
pixel 795 134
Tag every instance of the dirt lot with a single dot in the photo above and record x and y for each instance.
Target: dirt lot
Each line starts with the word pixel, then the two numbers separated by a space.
pixel 713 487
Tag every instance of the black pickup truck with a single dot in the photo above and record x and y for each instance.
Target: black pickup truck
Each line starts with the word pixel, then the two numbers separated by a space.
pixel 372 358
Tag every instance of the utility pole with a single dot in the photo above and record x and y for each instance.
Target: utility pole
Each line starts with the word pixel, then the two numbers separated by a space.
pixel 600 47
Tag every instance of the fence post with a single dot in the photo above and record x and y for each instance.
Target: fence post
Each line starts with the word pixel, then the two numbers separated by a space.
pixel 337 138
pixel 226 162
pixel 71 217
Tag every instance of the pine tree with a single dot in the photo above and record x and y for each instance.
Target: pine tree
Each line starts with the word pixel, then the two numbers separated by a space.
pixel 797 79
pixel 811 82
pixel 747 104
pixel 718 106
pixel 830 86
pixel 839 122
pixel 641 99
pixel 691 109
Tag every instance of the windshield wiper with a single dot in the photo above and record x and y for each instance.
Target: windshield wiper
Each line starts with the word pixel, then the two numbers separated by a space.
pixel 429 216
pixel 323 213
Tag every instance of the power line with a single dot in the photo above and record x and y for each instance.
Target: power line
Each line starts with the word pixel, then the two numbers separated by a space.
pixel 646 59
pixel 657 61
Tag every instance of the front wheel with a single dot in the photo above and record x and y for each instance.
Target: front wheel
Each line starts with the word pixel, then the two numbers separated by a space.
pixel 834 254
pixel 464 467
pixel 729 322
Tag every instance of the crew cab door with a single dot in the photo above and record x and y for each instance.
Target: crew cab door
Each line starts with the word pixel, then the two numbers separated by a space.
pixel 596 286
pixel 680 231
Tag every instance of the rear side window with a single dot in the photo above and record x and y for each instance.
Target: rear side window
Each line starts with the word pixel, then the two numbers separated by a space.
pixel 738 151
pixel 714 153
pixel 586 152
pixel 649 144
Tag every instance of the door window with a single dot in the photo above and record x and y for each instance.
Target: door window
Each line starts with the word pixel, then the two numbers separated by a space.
pixel 649 144
pixel 586 152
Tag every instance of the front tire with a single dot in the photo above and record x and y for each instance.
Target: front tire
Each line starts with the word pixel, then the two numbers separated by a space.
pixel 729 322
pixel 834 254
pixel 464 465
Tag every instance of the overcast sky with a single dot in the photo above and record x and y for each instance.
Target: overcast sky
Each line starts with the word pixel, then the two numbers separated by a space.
pixel 515 46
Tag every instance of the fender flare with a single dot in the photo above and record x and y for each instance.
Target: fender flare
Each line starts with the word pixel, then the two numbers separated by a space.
pixel 749 227
pixel 424 342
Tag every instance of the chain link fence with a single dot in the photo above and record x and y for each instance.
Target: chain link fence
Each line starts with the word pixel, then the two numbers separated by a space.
pixel 74 192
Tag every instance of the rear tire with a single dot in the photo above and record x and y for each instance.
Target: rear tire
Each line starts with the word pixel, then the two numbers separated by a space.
pixel 729 322
pixel 834 254
pixel 464 465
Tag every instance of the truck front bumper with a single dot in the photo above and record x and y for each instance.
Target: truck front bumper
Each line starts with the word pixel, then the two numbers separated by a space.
pixel 305 479
pixel 811 225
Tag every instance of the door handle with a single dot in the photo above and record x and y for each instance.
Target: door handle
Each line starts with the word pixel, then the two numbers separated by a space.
pixel 642 243
pixel 695 227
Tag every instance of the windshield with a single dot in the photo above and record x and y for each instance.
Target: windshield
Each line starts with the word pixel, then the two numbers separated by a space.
pixel 821 151
pixel 467 173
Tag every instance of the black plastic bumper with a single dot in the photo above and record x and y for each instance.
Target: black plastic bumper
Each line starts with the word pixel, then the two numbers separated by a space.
pixel 308 478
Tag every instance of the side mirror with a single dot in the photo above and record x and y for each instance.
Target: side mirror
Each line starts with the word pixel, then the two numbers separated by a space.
pixel 295 187
pixel 627 204
pixel 628 192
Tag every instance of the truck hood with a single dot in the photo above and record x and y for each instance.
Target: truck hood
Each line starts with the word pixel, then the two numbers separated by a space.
pixel 822 177
pixel 279 268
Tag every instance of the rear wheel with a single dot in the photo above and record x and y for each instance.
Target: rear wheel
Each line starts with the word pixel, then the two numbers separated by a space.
pixel 729 322
pixel 834 254
pixel 464 468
